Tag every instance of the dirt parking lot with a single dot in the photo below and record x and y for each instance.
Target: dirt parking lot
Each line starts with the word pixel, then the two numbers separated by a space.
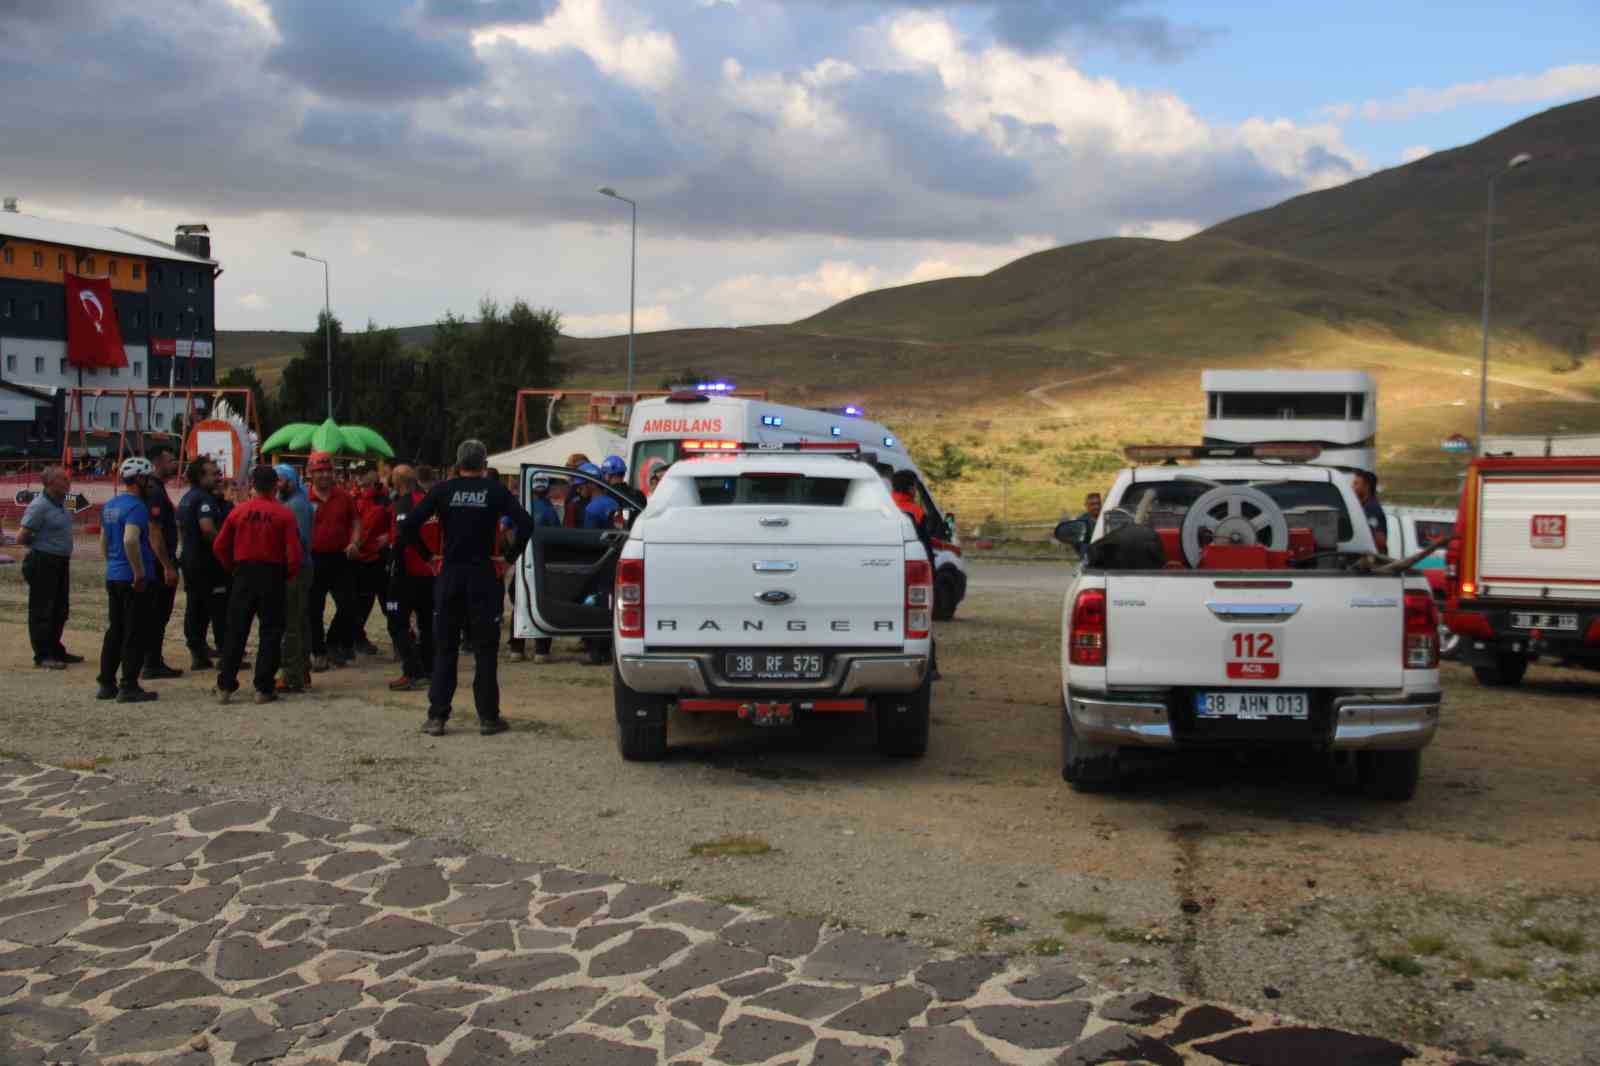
pixel 1467 918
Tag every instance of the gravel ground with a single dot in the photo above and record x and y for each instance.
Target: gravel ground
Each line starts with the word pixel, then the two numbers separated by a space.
pixel 1467 918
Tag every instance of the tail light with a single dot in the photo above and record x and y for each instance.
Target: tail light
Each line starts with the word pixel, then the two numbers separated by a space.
pixel 1452 560
pixel 919 599
pixel 630 598
pixel 1469 624
pixel 1086 639
pixel 1421 651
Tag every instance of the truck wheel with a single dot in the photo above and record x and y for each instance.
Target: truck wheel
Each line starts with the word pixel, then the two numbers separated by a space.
pixel 1088 767
pixel 1506 671
pixel 945 597
pixel 903 722
pixel 1391 775
pixel 641 722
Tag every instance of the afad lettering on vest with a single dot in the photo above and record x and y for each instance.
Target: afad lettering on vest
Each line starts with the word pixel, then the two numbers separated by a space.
pixel 462 498
pixel 682 425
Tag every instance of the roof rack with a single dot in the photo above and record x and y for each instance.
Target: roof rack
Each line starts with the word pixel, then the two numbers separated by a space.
pixel 1171 453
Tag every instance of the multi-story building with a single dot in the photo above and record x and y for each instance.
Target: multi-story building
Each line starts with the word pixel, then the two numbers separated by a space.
pixel 165 297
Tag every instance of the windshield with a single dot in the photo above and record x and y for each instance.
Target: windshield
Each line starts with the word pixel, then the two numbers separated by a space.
pixel 1172 500
pixel 773 489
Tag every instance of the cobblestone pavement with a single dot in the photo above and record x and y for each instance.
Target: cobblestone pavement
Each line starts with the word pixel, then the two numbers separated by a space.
pixel 141 926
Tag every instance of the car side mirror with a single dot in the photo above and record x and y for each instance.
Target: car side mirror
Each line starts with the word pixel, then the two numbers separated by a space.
pixel 1073 532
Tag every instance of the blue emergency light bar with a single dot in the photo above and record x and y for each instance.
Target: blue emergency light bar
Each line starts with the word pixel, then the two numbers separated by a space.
pixel 852 411
pixel 715 386
pixel 772 420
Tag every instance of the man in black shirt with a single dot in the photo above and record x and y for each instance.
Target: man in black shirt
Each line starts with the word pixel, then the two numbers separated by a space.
pixel 205 583
pixel 164 541
pixel 467 594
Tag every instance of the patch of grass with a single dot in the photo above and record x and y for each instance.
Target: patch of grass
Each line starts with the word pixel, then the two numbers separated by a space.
pixel 1001 925
pixel 16 756
pixel 1567 941
pixel 1428 945
pixel 1401 964
pixel 1280 930
pixel 1135 936
pixel 1516 971
pixel 87 765
pixel 733 899
pixel 365 760
pixel 1498 1049
pixel 541 729
pixel 734 845
pixel 674 885
pixel 1075 922
pixel 1509 941
pixel 1046 947
pixel 1569 989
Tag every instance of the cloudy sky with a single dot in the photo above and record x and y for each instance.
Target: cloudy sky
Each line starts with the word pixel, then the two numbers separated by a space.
pixel 785 153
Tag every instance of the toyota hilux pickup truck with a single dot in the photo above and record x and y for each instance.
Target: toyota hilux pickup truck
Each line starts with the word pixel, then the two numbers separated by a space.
pixel 1239 602
pixel 773 583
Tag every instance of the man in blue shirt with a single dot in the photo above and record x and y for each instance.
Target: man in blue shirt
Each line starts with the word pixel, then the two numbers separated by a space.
pixel 47 534
pixel 296 661
pixel 601 509
pixel 131 574
pixel 200 515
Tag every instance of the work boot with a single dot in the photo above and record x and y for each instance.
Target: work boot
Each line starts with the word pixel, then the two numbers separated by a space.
pixel 405 684
pixel 199 660
pixel 366 647
pixel 224 696
pixel 64 656
pixel 286 688
pixel 159 672
pixel 541 660
pixel 136 695
pixel 319 664
pixel 266 697
pixel 490 726
pixel 518 655
pixel 49 664
pixel 433 727
pixel 105 692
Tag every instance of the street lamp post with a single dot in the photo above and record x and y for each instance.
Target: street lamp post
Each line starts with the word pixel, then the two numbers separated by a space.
pixel 1488 287
pixel 633 266
pixel 327 322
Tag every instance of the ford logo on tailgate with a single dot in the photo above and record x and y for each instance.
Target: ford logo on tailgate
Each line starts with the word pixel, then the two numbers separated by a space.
pixel 775 598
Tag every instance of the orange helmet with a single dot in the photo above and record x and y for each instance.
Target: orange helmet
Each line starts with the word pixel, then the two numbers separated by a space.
pixel 320 461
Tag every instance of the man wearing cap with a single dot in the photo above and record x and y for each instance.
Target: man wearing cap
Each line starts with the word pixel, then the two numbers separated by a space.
pixel 164 542
pixel 47 534
pixel 410 592
pixel 130 572
pixel 332 531
pixel 200 515
pixel 296 662
pixel 468 596
pixel 260 546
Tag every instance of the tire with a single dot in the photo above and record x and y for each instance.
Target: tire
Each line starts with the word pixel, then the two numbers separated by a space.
pixel 1391 775
pixel 1088 767
pixel 1505 672
pixel 946 596
pixel 903 722
pixel 641 722
pixel 596 651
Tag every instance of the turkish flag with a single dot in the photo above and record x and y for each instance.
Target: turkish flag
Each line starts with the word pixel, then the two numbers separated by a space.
pixel 93 339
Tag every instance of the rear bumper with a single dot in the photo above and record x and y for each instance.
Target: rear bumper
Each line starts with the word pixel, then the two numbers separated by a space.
pixel 1352 723
pixel 1487 633
pixel 695 674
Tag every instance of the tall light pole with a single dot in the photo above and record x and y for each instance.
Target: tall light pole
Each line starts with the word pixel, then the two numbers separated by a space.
pixel 1488 287
pixel 327 323
pixel 633 267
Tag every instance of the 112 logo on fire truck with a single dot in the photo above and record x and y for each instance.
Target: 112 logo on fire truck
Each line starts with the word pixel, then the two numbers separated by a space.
pixel 1549 531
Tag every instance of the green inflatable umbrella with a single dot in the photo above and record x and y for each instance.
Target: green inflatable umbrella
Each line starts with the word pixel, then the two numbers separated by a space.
pixel 328 437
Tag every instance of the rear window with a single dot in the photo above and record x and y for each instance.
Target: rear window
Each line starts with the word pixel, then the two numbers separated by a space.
pixel 769 490
pixel 1173 499
pixel 1429 531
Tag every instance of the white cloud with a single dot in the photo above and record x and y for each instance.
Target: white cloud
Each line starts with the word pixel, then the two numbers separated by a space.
pixel 1415 152
pixel 1162 229
pixel 611 323
pixel 1558 83
pixel 647 58
pixel 257 11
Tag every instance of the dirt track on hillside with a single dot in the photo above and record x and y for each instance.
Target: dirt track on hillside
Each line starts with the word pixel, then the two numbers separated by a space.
pixel 1219 881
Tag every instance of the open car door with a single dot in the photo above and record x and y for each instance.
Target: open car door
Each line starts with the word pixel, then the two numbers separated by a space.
pixel 565 577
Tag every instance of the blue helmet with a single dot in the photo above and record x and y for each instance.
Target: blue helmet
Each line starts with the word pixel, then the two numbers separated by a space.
pixel 590 469
pixel 289 476
pixel 614 467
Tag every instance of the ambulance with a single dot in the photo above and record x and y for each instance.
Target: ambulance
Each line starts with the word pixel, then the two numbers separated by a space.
pixel 659 426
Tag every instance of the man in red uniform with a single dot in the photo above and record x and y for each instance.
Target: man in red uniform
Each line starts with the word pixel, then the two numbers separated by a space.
pixel 411 590
pixel 369 554
pixel 333 529
pixel 259 544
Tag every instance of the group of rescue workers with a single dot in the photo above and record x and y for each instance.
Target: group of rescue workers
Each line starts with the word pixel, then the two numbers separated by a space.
pixel 434 554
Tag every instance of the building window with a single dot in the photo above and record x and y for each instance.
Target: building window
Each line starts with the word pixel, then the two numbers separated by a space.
pixel 10 306
pixel 199 322
pixel 180 321
pixel 199 279
pixel 38 364
pixel 38 260
pixel 138 370
pixel 63 366
pixel 180 372
pixel 156 320
pixel 138 319
pixel 38 310
pixel 112 268
pixel 88 264
pixel 115 416
pixel 6 252
pixel 155 275
pixel 138 268
pixel 116 371
pixel 61 261
pixel 11 363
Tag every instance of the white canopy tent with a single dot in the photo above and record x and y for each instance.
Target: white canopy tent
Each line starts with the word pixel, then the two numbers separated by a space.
pixel 596 442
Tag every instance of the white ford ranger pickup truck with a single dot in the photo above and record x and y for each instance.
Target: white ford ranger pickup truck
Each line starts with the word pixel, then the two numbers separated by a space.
pixel 1241 604
pixel 773 583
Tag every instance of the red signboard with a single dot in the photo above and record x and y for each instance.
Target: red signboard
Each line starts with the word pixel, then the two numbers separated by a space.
pixel 1253 656
pixel 1549 531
